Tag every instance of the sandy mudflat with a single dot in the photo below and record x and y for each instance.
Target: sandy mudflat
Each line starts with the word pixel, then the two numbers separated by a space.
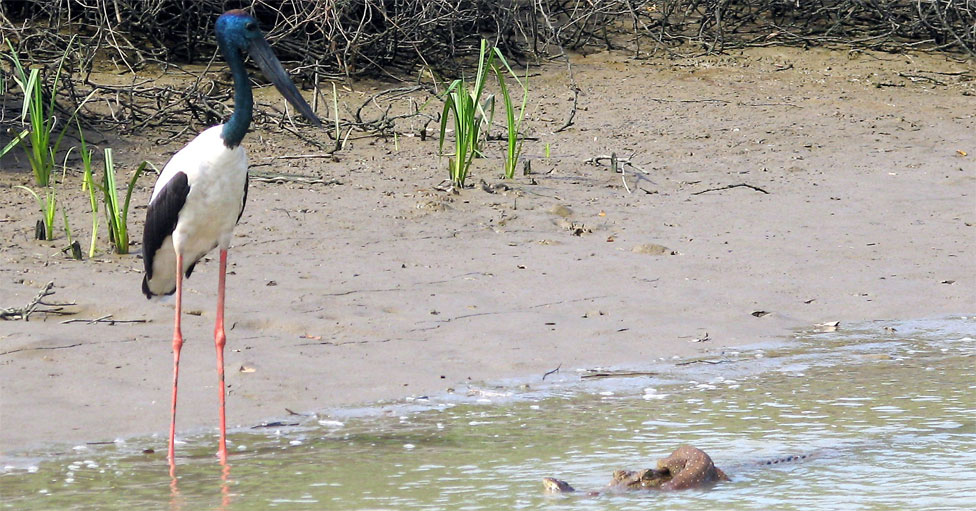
pixel 381 287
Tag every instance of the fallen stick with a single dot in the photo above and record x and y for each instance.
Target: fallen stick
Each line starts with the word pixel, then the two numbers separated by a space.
pixel 703 361
pixel 572 113
pixel 726 187
pixel 556 370
pixel 103 319
pixel 659 100
pixel 593 374
pixel 267 177
pixel 300 156
pixel 24 312
pixel 615 162
pixel 916 78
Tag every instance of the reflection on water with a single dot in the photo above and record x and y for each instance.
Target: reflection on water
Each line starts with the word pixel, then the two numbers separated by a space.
pixel 885 418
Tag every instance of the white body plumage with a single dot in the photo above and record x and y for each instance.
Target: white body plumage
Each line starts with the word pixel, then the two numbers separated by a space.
pixel 217 179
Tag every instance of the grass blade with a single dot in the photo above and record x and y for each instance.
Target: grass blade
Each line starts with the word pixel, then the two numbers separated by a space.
pixel 88 184
pixel 117 213
pixel 514 143
pixel 111 199
pixel 131 186
pixel 13 143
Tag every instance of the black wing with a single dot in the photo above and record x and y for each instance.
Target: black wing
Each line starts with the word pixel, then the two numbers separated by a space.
pixel 243 199
pixel 161 218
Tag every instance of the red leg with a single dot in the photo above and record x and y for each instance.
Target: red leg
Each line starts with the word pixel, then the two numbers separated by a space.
pixel 220 339
pixel 177 345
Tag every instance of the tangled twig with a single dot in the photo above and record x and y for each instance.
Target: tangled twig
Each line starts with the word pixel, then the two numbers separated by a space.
pixel 25 312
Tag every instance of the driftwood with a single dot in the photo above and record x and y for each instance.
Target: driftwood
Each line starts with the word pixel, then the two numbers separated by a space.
pixel 106 319
pixel 727 187
pixel 25 312
pixel 591 374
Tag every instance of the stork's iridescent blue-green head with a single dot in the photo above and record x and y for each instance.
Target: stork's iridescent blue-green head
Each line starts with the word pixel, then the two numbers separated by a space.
pixel 238 32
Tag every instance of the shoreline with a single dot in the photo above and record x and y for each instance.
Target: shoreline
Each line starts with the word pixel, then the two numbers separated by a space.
pixel 732 365
pixel 490 392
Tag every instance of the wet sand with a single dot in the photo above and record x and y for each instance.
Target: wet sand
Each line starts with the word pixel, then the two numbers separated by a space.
pixel 859 205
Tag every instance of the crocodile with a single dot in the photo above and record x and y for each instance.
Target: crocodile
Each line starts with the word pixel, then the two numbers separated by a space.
pixel 687 467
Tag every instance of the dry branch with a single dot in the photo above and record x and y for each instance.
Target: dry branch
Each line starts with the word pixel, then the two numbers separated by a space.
pixel 25 312
pixel 728 187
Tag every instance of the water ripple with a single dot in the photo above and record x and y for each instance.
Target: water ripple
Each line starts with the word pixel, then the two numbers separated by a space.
pixel 882 418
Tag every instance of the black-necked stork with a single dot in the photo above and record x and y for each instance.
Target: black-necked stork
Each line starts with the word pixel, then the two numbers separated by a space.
pixel 200 195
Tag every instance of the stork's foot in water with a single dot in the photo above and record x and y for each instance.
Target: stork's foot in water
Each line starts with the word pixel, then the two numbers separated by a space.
pixel 687 467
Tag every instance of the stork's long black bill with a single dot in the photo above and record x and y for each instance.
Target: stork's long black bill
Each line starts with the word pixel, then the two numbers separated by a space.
pixel 271 67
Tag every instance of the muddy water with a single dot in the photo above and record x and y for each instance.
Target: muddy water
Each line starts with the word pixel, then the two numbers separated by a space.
pixel 884 415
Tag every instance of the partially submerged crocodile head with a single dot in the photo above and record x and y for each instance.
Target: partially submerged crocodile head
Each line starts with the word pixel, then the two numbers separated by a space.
pixel 646 479
pixel 553 485
pixel 687 467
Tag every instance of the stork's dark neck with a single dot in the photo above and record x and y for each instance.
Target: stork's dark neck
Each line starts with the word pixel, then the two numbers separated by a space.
pixel 236 127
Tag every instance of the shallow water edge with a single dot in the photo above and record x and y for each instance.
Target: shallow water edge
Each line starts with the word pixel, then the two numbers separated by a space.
pixel 882 414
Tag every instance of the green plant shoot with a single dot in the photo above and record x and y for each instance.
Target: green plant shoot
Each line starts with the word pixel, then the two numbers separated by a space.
pixel 116 212
pixel 40 145
pixel 88 184
pixel 514 143
pixel 48 206
pixel 462 101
